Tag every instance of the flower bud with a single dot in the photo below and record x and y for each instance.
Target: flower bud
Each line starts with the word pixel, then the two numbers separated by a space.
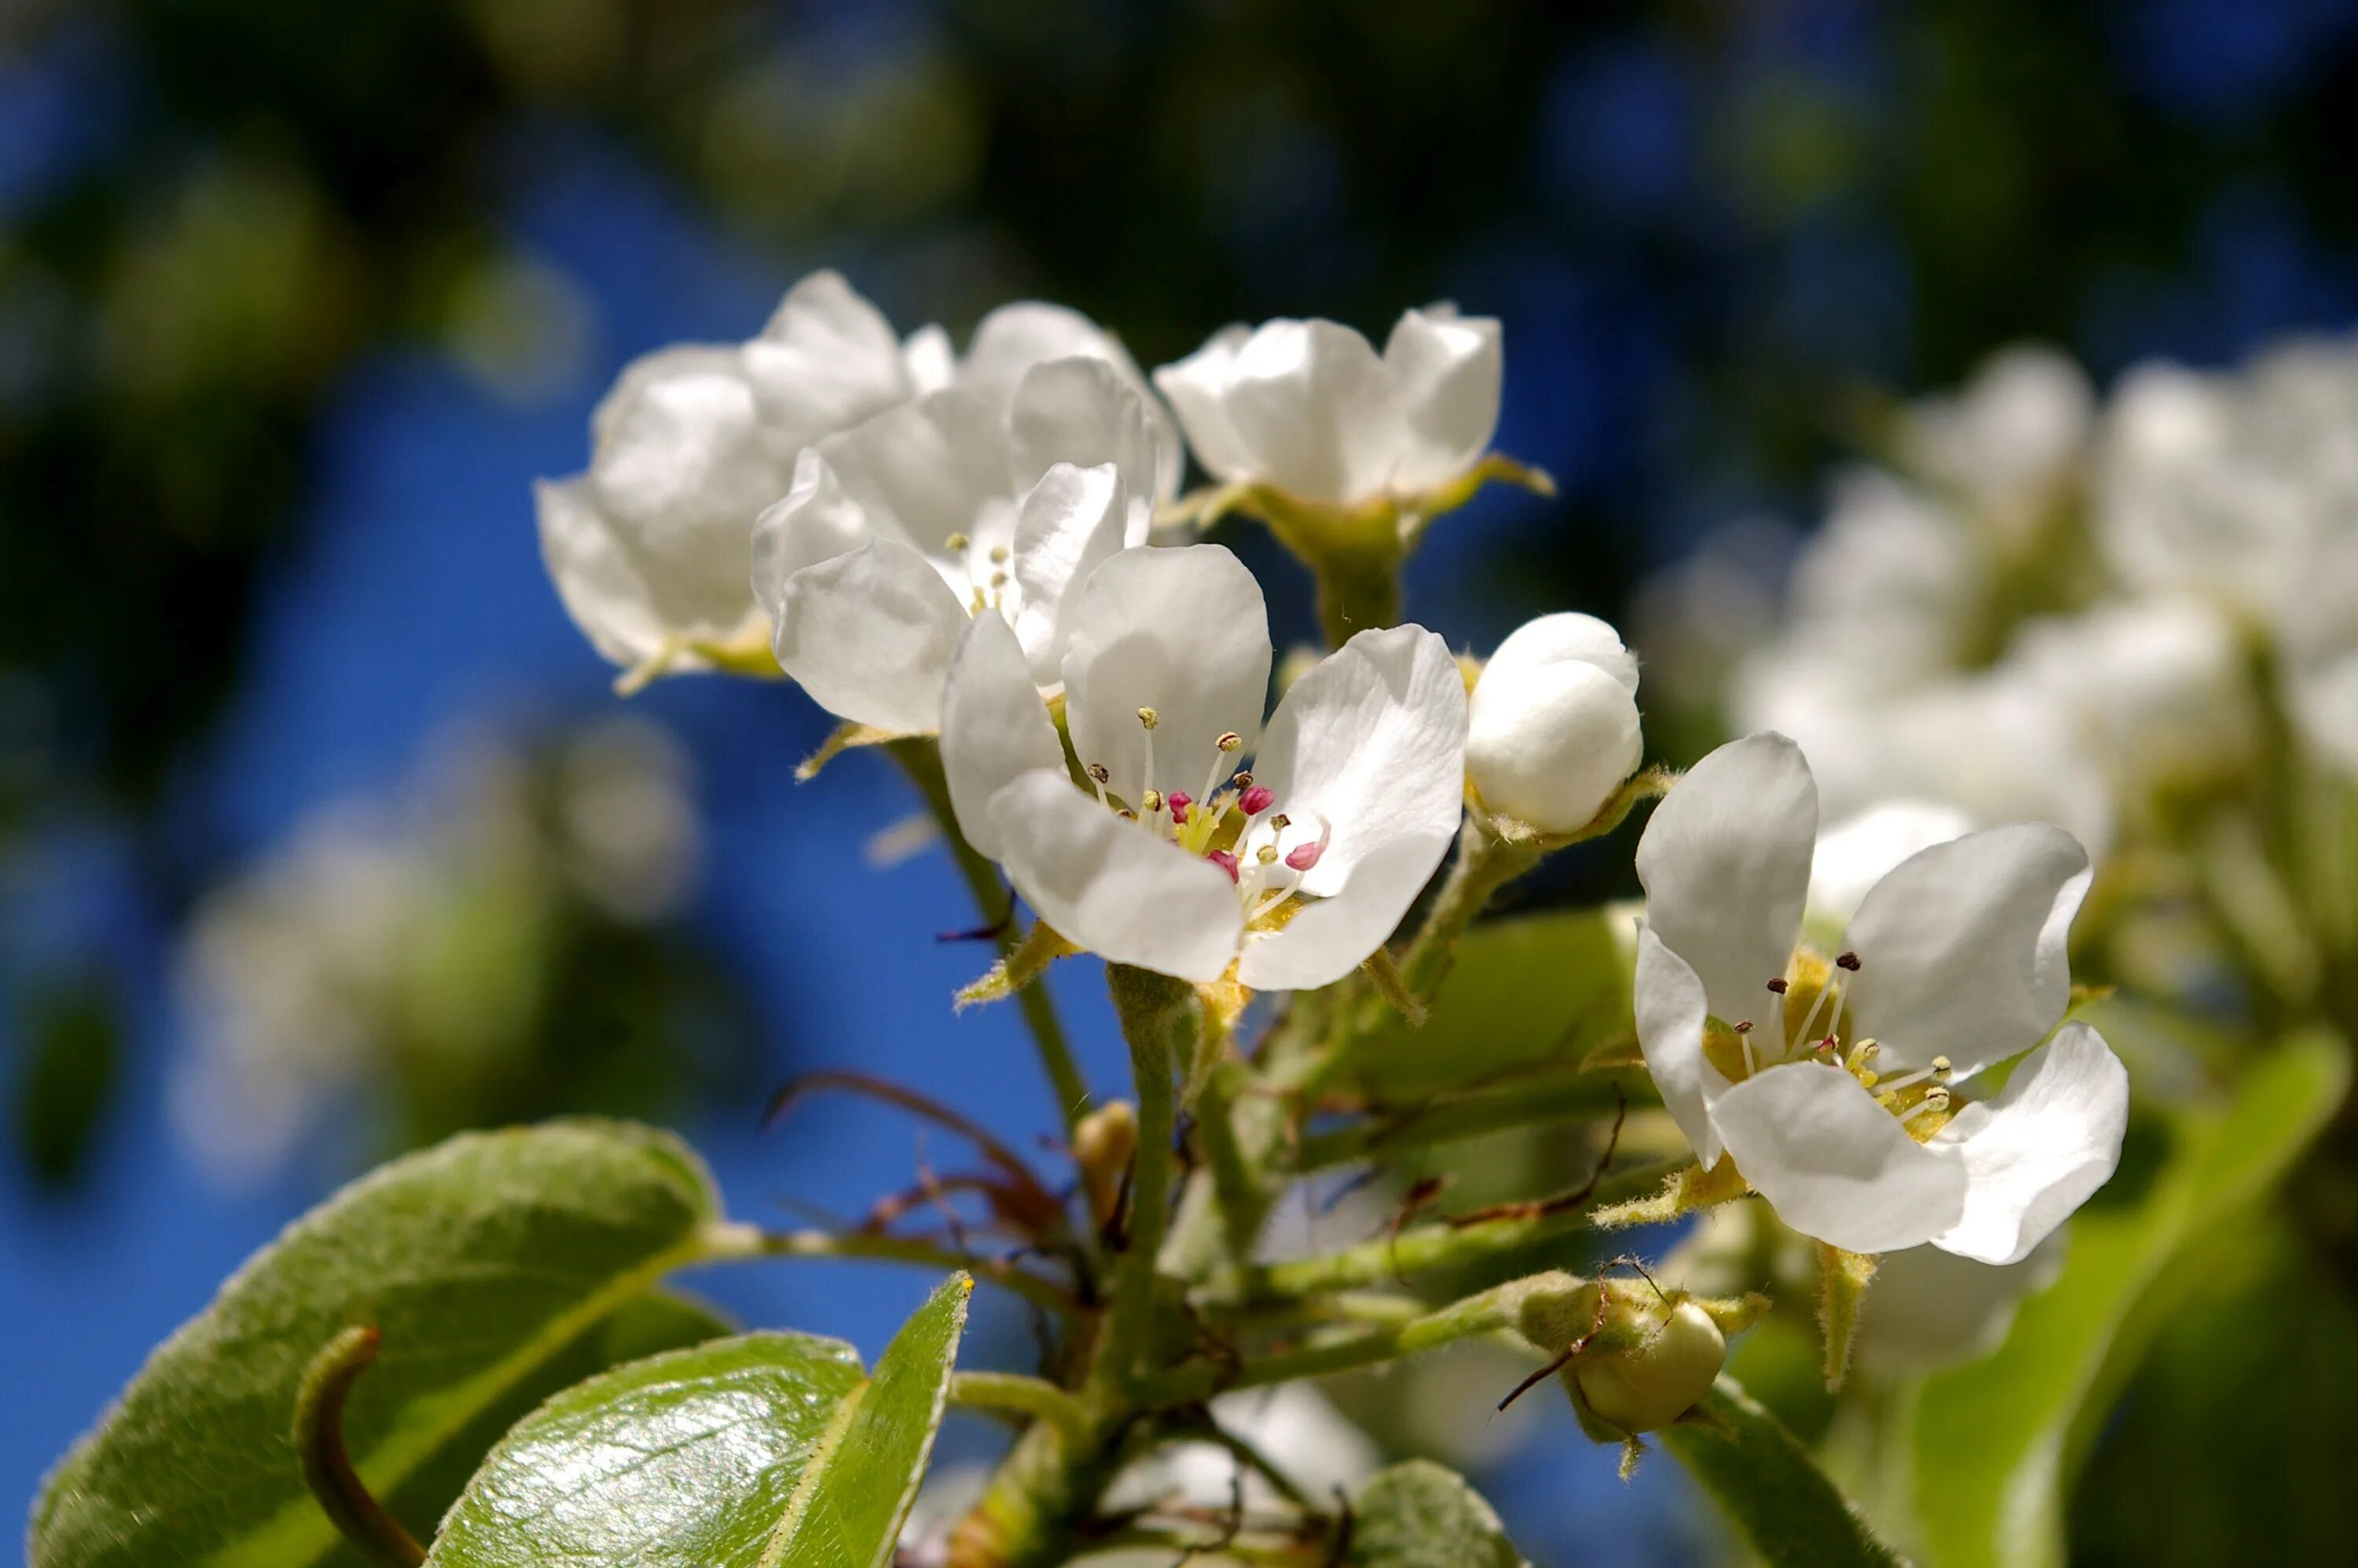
pixel 1553 727
pixel 1102 1146
pixel 1659 1379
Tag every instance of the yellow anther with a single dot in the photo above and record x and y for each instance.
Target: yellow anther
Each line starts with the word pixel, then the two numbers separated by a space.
pixel 1149 718
pixel 1280 822
pixel 999 580
pixel 999 555
pixel 1266 854
pixel 957 543
pixel 1230 741
pixel 1940 1070
pixel 1150 802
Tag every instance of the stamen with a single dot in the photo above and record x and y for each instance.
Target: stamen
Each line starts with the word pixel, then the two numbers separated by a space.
pixel 1830 990
pixel 1862 1053
pixel 1150 802
pixel 1230 741
pixel 999 555
pixel 1847 961
pixel 1744 1038
pixel 1779 985
pixel 959 544
pixel 1149 719
pixel 1280 823
pixel 1256 798
pixel 1301 857
pixel 1099 775
pixel 1938 1069
pixel 1266 854
pixel 1224 748
pixel 1179 800
pixel 1933 1100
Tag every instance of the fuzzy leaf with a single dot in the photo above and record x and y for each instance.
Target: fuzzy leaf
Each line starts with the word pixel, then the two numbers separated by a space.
pixel 497 1267
pixel 766 1450
pixel 1771 1489
pixel 1419 1515
pixel 1998 1442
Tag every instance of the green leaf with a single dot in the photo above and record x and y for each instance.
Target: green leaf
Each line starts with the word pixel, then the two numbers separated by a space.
pixel 1528 994
pixel 1769 1486
pixel 495 1264
pixel 1419 1515
pixel 1996 1444
pixel 767 1451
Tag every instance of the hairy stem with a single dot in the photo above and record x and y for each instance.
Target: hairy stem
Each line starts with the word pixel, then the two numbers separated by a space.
pixel 1489 1313
pixel 920 759
pixel 1159 1015
pixel 1009 1393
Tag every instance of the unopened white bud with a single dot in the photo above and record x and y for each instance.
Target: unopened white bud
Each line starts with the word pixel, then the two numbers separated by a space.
pixel 1553 728
pixel 1652 1386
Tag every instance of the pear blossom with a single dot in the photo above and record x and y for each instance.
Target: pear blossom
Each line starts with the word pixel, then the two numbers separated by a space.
pixel 1553 726
pixel 1310 407
pixel 960 503
pixel 649 547
pixel 1835 1084
pixel 1157 851
pixel 1859 851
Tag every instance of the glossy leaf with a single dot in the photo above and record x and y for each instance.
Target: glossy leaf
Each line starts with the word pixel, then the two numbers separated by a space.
pixel 1420 1515
pixel 1771 1489
pixel 495 1266
pixel 1527 995
pixel 766 1450
pixel 1996 1443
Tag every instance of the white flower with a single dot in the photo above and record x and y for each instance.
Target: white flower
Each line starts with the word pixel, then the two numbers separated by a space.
pixel 649 548
pixel 1554 725
pixel 1954 961
pixel 959 503
pixel 1860 851
pixel 2009 441
pixel 1933 1309
pixel 2156 686
pixel 1163 859
pixel 1309 407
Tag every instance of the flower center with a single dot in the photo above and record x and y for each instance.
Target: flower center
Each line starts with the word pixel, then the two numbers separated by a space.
pixel 1228 819
pixel 978 567
pixel 1810 1023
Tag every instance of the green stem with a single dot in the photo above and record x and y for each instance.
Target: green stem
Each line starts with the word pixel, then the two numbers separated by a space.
pixel 1010 1393
pixel 1157 1014
pixel 731 1242
pixel 920 759
pixel 1420 1250
pixel 1489 1313
pixel 1484 863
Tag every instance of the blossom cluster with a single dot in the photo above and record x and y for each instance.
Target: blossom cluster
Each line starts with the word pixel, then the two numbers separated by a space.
pixel 988 554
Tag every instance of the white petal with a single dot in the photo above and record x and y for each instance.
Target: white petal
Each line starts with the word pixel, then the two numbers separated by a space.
pixel 1112 887
pixel 1081 411
pixel 2324 701
pixel 926 469
pixel 1371 743
pixel 1372 740
pixel 1183 632
pixel 1014 338
pixel 1198 387
pixel 601 585
pixel 1314 404
pixel 1566 637
pixel 827 361
pixel 1834 1164
pixel 1861 850
pixel 1931 1309
pixel 1550 744
pixel 1725 864
pixel 995 728
pixel 2035 1154
pixel 931 363
pixel 869 635
pixel 1065 528
pixel 1446 369
pixel 1671 1010
pixel 1961 947
pixel 815 521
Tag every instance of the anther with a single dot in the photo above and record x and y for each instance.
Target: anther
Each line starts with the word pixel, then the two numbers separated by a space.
pixel 1301 857
pixel 1935 1101
pixel 1230 741
pixel 1847 961
pixel 999 555
pixel 1149 718
pixel 1255 799
pixel 1241 778
pixel 1941 1069
pixel 1179 800
pixel 1280 822
pixel 999 580
pixel 1777 985
pixel 1150 802
pixel 1101 773
pixel 958 544
pixel 1266 854
pixel 1745 1027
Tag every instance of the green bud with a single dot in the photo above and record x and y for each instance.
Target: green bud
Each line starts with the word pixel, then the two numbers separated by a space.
pixel 1656 1381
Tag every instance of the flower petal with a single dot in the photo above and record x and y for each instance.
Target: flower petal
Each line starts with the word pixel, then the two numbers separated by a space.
pixel 1834 1164
pixel 869 635
pixel 2035 1154
pixel 1373 742
pixel 1329 939
pixel 827 361
pixel 814 522
pixel 601 585
pixel 1183 632
pixel 931 363
pixel 1931 1309
pixel 1081 411
pixel 1725 864
pixel 995 728
pixel 1961 946
pixel 1314 406
pixel 1109 885
pixel 1672 1008
pixel 1014 338
pixel 926 470
pixel 1198 387
pixel 1067 525
pixel 1861 850
pixel 1446 369
pixel 1566 637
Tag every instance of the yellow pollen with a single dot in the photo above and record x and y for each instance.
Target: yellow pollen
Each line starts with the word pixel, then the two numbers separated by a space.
pixel 1266 854
pixel 1230 741
pixel 1149 718
pixel 1152 802
pixel 999 555
pixel 957 543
